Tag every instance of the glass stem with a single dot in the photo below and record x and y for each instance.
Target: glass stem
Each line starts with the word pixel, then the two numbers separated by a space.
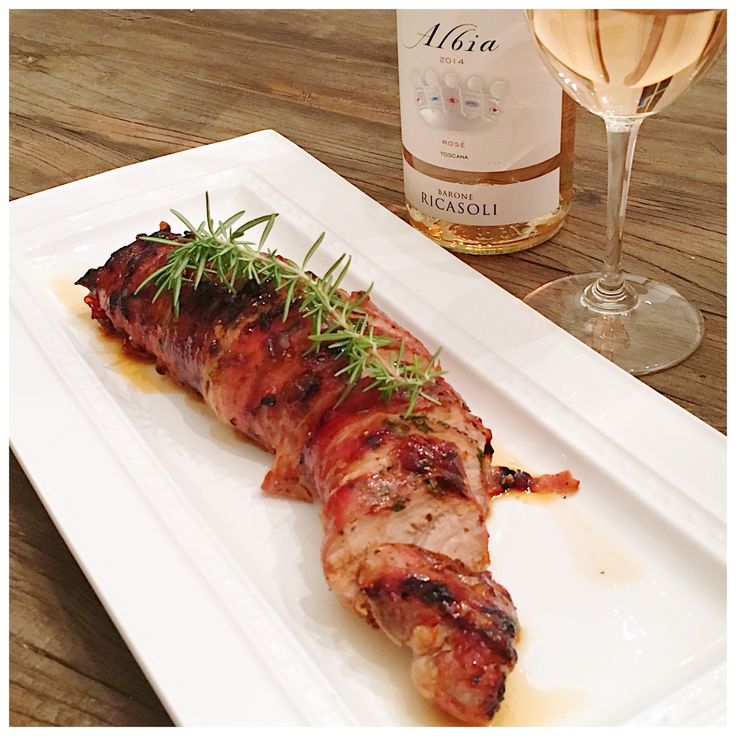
pixel 610 292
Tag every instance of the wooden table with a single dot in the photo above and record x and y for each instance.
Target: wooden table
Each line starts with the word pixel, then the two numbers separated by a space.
pixel 94 90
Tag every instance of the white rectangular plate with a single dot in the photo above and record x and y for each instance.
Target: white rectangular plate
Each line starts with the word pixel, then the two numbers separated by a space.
pixel 218 589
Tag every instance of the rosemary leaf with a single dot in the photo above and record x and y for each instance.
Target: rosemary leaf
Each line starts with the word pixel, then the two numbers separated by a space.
pixel 217 253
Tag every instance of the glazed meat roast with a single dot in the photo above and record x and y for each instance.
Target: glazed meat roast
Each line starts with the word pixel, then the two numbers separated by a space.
pixel 404 497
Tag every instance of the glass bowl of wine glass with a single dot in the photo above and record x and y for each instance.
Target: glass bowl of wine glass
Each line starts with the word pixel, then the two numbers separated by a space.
pixel 624 66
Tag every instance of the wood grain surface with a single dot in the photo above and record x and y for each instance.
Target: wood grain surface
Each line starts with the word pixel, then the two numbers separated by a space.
pixel 94 90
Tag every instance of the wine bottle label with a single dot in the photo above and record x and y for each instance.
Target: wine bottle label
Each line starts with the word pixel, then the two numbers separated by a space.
pixel 482 204
pixel 478 107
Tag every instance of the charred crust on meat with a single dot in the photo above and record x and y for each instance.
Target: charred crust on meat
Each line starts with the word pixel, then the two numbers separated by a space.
pixel 306 386
pixel 488 448
pixel 514 480
pixel 428 591
pixel 232 309
pixel 125 297
pixel 113 301
pixel 268 400
pixel 501 619
pixel 374 439
pixel 202 299
pixel 253 288
pixel 495 703
pixel 131 266
pixel 89 279
pixel 499 642
pixel 267 316
pixel 118 299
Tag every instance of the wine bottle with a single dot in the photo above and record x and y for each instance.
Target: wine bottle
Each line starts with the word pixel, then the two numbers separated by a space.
pixel 487 133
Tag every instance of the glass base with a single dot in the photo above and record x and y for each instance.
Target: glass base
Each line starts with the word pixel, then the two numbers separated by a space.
pixel 658 329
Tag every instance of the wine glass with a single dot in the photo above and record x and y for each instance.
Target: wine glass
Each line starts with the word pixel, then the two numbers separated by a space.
pixel 625 65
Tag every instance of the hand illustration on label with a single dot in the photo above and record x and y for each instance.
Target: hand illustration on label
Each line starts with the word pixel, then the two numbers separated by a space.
pixel 453 103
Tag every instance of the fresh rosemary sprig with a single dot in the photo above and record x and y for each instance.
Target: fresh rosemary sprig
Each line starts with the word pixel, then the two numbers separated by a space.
pixel 218 252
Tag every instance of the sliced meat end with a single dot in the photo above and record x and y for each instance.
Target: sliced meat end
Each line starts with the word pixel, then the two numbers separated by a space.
pixel 356 519
pixel 459 625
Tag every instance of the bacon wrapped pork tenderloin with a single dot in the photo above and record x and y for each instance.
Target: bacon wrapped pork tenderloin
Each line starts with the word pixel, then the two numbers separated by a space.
pixel 405 498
